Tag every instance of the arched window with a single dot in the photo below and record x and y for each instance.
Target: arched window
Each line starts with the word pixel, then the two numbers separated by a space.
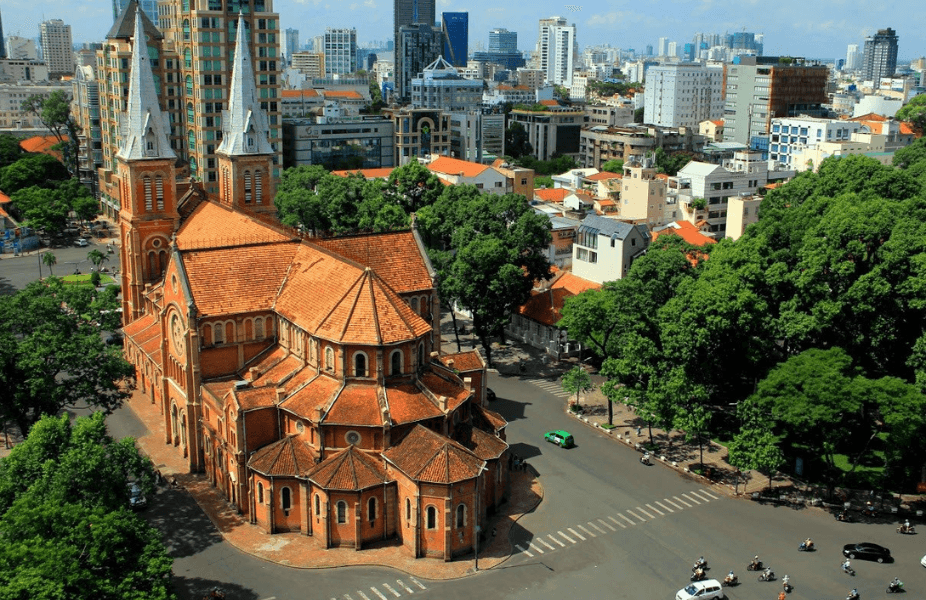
pixel 431 518
pixel 408 509
pixel 395 360
pixel 159 191
pixel 190 114
pixel 247 187
pixel 258 186
pixel 218 331
pixel 229 332
pixel 421 354
pixel 342 511
pixel 329 359
pixel 260 493
pixel 286 501
pixel 360 365
pixel 186 25
pixel 371 510
pixel 415 304
pixel 149 199
pixel 188 63
pixel 259 328
pixel 318 505
pixel 461 515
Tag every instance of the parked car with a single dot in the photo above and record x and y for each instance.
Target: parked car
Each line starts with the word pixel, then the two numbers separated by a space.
pixel 561 438
pixel 490 395
pixel 81 243
pixel 137 499
pixel 701 590
pixel 867 551
pixel 114 339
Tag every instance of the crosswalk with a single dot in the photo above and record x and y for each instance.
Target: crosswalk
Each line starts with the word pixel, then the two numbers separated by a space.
pixel 552 387
pixel 386 591
pixel 628 518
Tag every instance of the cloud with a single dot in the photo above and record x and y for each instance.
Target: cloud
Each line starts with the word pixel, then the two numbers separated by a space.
pixel 370 3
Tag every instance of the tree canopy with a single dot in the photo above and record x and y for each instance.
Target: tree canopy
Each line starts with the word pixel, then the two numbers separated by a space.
pixel 68 532
pixel 52 354
pixel 55 114
pixel 914 111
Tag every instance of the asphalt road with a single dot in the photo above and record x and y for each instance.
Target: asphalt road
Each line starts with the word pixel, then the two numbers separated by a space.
pixel 18 271
pixel 608 527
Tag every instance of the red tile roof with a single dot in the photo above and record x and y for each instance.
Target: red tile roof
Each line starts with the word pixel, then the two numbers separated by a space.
pixel 484 445
pixel 551 194
pixel 603 176
pixel 42 144
pixel 546 306
pixel 346 94
pixel 280 372
pixel 389 255
pixel 299 94
pixel 687 231
pixel 264 361
pixel 455 166
pixel 464 361
pixel 455 393
pixel 574 284
pixel 348 470
pixel 906 128
pixel 213 225
pixel 488 418
pixel 408 404
pixel 4 199
pixel 428 457
pixel 316 395
pixel 357 404
pixel 289 457
pixel 381 173
pixel 254 398
pixel 718 123
pixel 549 102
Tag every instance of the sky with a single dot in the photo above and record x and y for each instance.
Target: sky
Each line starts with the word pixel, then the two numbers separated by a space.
pixel 812 29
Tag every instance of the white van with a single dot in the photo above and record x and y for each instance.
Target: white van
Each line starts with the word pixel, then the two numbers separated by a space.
pixel 701 590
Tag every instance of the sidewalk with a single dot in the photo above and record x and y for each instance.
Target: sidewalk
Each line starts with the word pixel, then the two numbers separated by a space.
pixel 297 550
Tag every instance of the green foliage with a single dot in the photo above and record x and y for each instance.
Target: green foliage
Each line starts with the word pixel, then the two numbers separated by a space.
pixel 543 181
pixel 55 114
pixel 52 355
pixel 554 166
pixel 536 107
pixel 95 279
pixel 914 111
pixel 10 150
pixel 576 381
pixel 907 157
pixel 755 446
pixel 32 170
pixel 412 187
pixel 48 208
pixel 613 166
pixel 604 88
pixel 516 141
pixel 638 115
pixel 49 260
pixel 671 163
pixel 64 519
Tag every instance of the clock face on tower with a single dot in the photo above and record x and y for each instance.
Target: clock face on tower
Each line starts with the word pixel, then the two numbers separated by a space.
pixel 176 336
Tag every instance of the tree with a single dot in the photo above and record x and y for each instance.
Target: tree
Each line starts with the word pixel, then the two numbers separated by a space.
pixel 55 114
pixel 671 163
pixel 613 166
pixel 10 150
pixel 755 446
pixel 65 522
pixel 904 158
pixel 412 187
pixel 32 170
pixel 297 202
pixel 914 111
pixel 576 381
pixel 592 317
pixel 52 355
pixel 97 258
pixel 638 115
pixel 49 260
pixel 42 208
pixel 517 143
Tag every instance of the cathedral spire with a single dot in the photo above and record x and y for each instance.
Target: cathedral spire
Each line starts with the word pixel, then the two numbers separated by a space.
pixel 144 129
pixel 244 124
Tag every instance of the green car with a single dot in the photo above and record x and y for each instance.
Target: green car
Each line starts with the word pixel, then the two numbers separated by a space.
pixel 560 438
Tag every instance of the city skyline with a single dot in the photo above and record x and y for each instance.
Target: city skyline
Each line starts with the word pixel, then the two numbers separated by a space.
pixel 823 30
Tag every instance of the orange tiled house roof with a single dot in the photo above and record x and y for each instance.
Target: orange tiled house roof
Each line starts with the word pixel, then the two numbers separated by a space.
pixel 348 470
pixel 428 457
pixel 288 457
pixel 387 254
pixel 464 361
pixel 455 166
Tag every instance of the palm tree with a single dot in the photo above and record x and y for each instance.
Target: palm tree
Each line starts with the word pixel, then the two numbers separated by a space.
pixel 97 258
pixel 49 260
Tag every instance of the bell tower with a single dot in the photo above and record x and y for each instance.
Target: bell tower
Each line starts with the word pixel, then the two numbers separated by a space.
pixel 245 156
pixel 147 177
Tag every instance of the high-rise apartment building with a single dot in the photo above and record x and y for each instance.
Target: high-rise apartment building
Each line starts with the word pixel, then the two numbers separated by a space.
pixel 20 48
pixel 683 95
pixel 760 89
pixel 557 50
pixel 880 56
pixel 310 64
pixel 56 47
pixel 662 48
pixel 340 51
pixel 410 12
pixel 419 45
pixel 292 44
pixel 502 40
pixel 852 57
pixel 204 34
pixel 2 40
pixel 440 86
pixel 455 27
pixel 150 8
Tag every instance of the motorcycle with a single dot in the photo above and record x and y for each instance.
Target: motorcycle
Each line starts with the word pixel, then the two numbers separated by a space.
pixel 852 597
pixel 754 566
pixel 843 516
pixel 894 588
pixel 699 564
pixel 698 575
pixel 767 576
pixel 805 547
pixel 911 530
pixel 849 570
pixel 645 460
pixel 730 580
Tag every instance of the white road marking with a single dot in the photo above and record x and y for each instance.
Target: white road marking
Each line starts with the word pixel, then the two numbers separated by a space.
pixel 698 494
pixel 676 505
pixel 707 493
pixel 378 593
pixel 407 589
pixel 616 522
pixel 550 535
pixel 640 508
pixel 586 531
pixel 522 550
pixel 568 539
pixel 544 542
pixel 682 501
pixel 596 527
pixel 606 524
pixel 664 506
pixel 418 583
pixel 535 547
pixel 362 595
pixel 692 499
pixel 628 520
pixel 347 597
pixel 636 516
pixel 394 593
pixel 575 533
pixel 654 509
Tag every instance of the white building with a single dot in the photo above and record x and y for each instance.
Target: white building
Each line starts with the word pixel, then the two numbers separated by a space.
pixel 853 58
pixel 791 136
pixel 605 248
pixel 57 51
pixel 683 95
pixel 517 94
pixel 20 48
pixel 340 47
pixel 557 50
pixel 579 83
pixel 440 86
pixel 879 105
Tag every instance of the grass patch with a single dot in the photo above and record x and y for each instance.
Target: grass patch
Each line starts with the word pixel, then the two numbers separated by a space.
pixel 84 279
pixel 608 426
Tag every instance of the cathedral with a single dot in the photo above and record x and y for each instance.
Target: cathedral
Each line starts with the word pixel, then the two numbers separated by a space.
pixel 302 376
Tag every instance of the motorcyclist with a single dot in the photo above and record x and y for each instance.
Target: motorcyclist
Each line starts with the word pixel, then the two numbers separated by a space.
pixel 846 566
pixel 698 574
pixel 767 574
pixel 808 544
pixel 755 562
pixel 895 585
pixel 785 582
pixel 730 577
pixel 853 595
pixel 842 516
pixel 700 562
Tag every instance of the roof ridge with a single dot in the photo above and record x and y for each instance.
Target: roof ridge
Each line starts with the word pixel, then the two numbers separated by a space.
pixel 371 278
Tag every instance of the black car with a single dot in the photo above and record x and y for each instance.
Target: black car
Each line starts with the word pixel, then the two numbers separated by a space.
pixel 867 551
pixel 490 395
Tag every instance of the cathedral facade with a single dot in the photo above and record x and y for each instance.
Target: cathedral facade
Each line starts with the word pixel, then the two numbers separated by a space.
pixel 303 377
